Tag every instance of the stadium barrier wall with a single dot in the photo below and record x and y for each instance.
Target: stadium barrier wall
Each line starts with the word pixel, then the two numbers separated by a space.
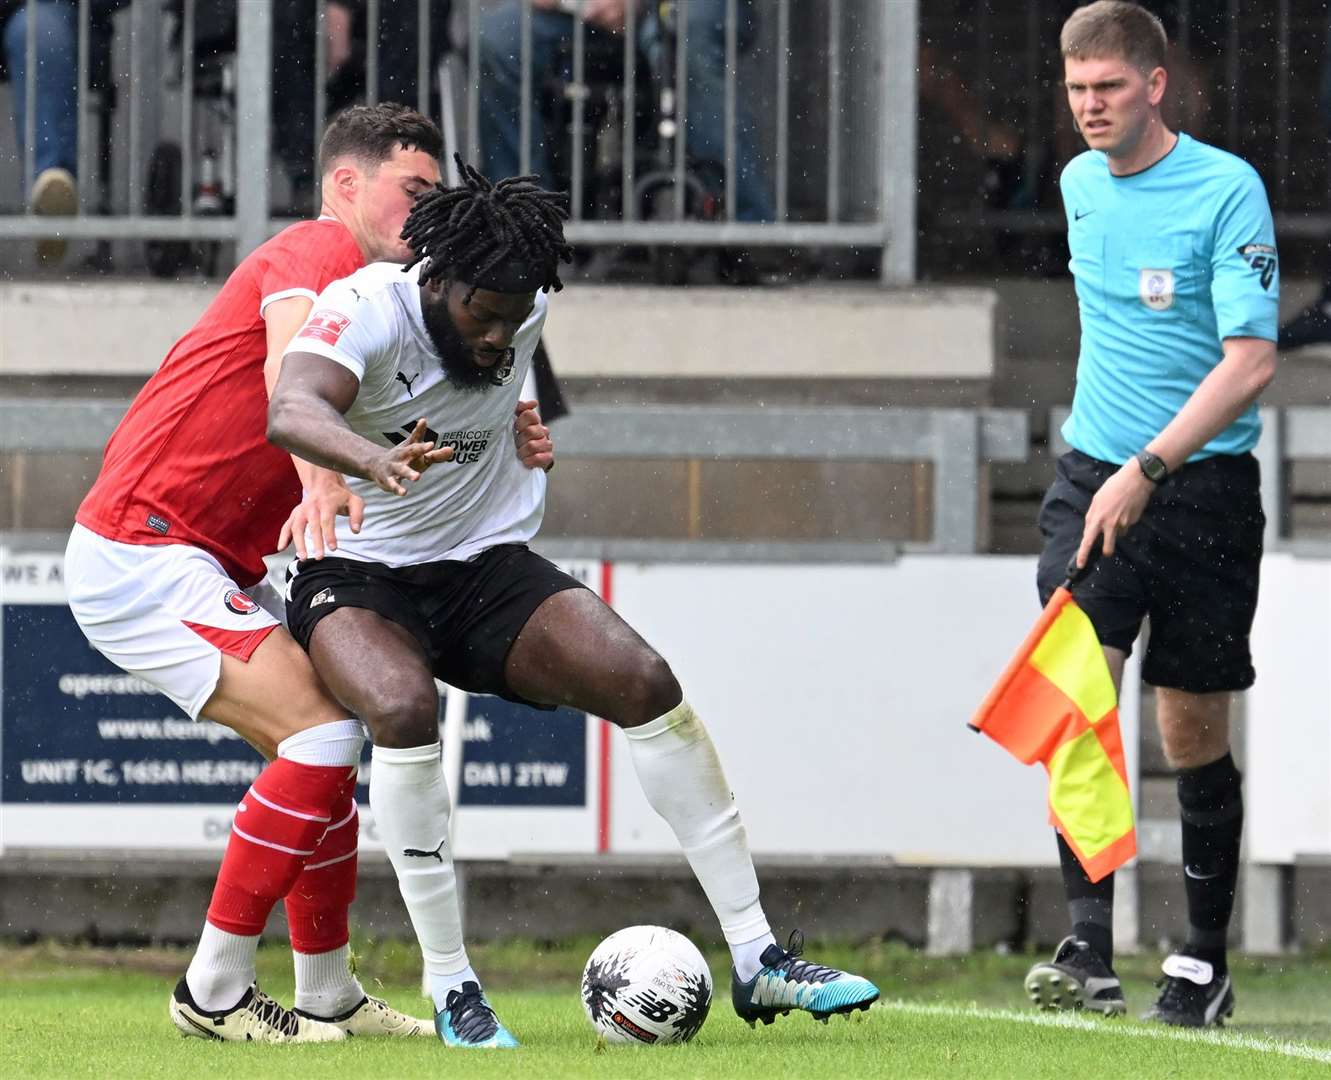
pixel 855 679
pixel 852 334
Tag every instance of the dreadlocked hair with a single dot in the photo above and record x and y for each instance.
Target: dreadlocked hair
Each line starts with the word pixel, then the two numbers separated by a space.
pixel 479 224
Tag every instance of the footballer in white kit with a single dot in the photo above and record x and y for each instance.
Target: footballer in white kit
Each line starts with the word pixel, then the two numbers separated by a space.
pixel 409 385
pixel 422 560
pixel 371 324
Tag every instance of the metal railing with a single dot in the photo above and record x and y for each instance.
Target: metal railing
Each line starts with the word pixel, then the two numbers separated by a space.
pixel 957 443
pixel 1244 75
pixel 857 71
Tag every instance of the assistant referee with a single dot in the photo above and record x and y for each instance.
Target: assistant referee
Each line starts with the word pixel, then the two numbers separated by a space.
pixel 1174 258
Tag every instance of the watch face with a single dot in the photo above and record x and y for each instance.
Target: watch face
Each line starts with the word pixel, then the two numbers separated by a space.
pixel 1152 466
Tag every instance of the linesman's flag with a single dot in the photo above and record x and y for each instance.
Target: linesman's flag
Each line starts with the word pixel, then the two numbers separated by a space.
pixel 1055 704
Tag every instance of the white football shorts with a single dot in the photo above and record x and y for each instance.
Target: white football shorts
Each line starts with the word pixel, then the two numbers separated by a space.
pixel 165 612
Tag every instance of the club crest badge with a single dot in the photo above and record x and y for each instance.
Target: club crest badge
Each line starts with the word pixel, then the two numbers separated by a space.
pixel 502 374
pixel 238 602
pixel 1156 289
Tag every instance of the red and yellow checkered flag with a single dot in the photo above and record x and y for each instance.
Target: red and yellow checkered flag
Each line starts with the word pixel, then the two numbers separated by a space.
pixel 1055 704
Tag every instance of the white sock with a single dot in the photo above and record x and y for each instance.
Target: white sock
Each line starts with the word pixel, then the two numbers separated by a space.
pixel 440 985
pixel 325 986
pixel 682 778
pixel 337 743
pixel 410 803
pixel 222 969
pixel 747 956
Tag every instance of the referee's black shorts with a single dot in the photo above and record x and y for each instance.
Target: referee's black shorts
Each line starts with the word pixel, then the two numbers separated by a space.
pixel 465 615
pixel 1191 565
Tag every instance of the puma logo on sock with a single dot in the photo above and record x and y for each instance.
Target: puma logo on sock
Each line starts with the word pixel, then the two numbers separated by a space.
pixel 419 854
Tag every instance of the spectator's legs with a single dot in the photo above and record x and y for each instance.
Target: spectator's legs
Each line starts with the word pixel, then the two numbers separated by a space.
pixel 501 86
pixel 705 44
pixel 56 81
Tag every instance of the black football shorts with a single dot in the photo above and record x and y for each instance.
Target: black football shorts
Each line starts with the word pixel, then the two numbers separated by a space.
pixel 465 615
pixel 1190 565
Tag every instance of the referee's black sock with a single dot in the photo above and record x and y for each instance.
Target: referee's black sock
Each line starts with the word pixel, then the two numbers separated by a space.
pixel 1211 803
pixel 1090 905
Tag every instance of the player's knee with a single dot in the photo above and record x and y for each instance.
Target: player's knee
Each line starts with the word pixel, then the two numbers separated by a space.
pixel 403 716
pixel 649 689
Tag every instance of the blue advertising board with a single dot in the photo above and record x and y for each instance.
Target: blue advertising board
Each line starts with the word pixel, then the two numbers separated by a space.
pixel 514 755
pixel 77 729
pixel 89 754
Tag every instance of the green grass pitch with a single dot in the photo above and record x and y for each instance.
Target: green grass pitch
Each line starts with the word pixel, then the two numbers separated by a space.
pixel 79 1012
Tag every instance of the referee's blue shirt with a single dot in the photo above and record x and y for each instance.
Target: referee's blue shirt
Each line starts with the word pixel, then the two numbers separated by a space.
pixel 1168 263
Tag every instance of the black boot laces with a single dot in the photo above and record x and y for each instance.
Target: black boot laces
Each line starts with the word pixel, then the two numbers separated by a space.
pixel 799 970
pixel 272 1014
pixel 470 1015
pixel 1178 995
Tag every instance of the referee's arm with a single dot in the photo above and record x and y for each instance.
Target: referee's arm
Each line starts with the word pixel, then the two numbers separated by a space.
pixel 1245 291
pixel 1221 398
pixel 1247 369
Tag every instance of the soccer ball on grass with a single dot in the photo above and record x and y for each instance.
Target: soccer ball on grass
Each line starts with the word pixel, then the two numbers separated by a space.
pixel 646 984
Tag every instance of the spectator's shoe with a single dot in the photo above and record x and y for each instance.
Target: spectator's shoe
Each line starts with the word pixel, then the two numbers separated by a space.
pixel 257 1018
pixel 54 195
pixel 786 982
pixel 1311 326
pixel 1076 978
pixel 467 1020
pixel 1191 995
pixel 373 1016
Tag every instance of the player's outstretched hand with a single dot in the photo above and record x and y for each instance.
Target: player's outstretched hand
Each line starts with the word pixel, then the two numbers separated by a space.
pixel 311 524
pixel 407 460
pixel 536 450
pixel 1117 506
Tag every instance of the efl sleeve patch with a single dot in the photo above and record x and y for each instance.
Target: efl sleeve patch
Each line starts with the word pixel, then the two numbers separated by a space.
pixel 1245 267
pixel 1262 259
pixel 325 325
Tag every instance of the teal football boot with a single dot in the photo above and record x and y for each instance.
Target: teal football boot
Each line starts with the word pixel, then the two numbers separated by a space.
pixel 467 1020
pixel 787 982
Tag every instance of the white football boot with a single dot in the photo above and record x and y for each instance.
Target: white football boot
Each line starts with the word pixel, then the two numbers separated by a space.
pixel 256 1018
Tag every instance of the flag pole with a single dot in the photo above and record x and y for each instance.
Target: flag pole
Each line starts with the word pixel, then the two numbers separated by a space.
pixel 1074 573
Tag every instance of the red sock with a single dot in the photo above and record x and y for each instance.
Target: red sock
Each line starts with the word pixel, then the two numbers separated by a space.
pixel 318 902
pixel 277 826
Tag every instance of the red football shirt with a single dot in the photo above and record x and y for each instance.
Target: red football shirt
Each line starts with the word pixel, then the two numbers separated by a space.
pixel 191 462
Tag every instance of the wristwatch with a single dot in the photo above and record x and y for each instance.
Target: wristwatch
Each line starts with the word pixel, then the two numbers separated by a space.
pixel 1152 465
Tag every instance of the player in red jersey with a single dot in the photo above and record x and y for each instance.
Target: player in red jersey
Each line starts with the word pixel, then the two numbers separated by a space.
pixel 168 548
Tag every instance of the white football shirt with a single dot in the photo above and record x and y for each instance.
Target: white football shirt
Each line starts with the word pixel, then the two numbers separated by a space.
pixel 371 324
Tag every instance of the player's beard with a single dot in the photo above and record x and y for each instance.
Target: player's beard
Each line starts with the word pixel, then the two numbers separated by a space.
pixel 454 357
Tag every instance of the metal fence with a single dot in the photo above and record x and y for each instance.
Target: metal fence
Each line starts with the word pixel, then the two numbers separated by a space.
pixel 1247 75
pixel 957 443
pixel 830 84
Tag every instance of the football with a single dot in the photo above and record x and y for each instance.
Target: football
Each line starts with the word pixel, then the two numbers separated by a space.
pixel 646 984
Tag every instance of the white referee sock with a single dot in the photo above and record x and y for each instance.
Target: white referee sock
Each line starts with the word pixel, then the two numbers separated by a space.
pixel 682 778
pixel 221 969
pixel 410 803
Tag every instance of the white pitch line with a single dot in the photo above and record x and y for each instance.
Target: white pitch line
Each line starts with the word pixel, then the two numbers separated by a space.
pixel 1112 1026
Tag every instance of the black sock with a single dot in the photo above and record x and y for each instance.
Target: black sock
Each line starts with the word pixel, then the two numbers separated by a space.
pixel 1211 804
pixel 1091 906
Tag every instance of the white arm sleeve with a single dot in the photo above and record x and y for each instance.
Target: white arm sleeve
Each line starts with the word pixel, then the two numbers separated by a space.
pixel 344 327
